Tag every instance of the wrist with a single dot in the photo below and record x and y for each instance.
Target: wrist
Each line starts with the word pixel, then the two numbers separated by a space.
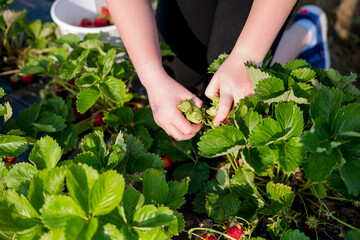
pixel 152 74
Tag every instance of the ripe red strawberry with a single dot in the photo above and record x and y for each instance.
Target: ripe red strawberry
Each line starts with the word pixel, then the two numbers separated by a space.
pixel 100 22
pixel 80 116
pixel 208 236
pixel 27 78
pixel 98 120
pixel 105 12
pixel 14 79
pixel 10 159
pixel 167 161
pixel 234 230
pixel 86 22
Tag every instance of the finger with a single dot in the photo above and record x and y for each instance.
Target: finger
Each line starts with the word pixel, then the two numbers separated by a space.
pixel 225 104
pixel 212 89
pixel 197 101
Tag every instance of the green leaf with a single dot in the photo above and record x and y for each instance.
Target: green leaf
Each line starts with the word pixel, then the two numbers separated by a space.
pixel 256 75
pixel 214 66
pixel 353 235
pixel 46 153
pixel 177 190
pixel 94 142
pixel 252 119
pixel 92 44
pixel 67 138
pixel 289 154
pixel 81 229
pixel 131 202
pixel 294 235
pixel 347 120
pixel 269 88
pixel 79 180
pixel 45 183
pixel 317 139
pixel 198 173
pixel 108 62
pixel 49 122
pixel 220 141
pixel 303 74
pixel 9 214
pixel 86 98
pixel 114 89
pixel 69 70
pixel 55 105
pixel 319 165
pixel 150 217
pixel 349 173
pixel 57 210
pixel 3 173
pixel 220 207
pixel 119 116
pixel 28 116
pixel 143 134
pixel 144 116
pixel 70 39
pixel 290 118
pixel 258 159
pixel 177 151
pixel 86 80
pixel 297 63
pixel 177 226
pixel 54 234
pixel 113 233
pixel 19 177
pixel 143 162
pixel 326 104
pixel 106 193
pixel 89 159
pixel 267 131
pixel 304 90
pixel 280 196
pixel 59 53
pixel 21 204
pixel 12 146
pixel 155 187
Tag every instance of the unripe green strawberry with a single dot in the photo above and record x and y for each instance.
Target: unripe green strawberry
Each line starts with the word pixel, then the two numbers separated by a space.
pixel 185 106
pixel 215 100
pixel 194 116
pixel 212 111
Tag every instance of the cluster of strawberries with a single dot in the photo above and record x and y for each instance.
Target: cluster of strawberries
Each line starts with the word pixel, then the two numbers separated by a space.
pixel 102 20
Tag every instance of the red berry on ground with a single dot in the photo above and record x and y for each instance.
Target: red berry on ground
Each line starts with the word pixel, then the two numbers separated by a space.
pixel 86 22
pixel 167 161
pixel 14 79
pixel 10 159
pixel 98 119
pixel 27 78
pixel 100 22
pixel 208 236
pixel 105 12
pixel 234 230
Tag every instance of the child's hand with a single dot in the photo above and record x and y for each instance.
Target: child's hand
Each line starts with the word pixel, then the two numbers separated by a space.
pixel 232 82
pixel 164 100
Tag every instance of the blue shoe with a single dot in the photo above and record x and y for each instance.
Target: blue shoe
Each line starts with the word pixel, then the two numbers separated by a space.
pixel 317 56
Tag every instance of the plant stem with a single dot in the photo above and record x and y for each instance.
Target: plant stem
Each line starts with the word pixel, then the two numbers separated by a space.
pixel 332 216
pixel 9 72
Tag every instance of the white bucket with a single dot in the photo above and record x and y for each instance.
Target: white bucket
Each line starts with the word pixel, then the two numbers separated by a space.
pixel 67 14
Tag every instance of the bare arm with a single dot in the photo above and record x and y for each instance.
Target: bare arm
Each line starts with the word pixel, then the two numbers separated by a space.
pixel 261 28
pixel 135 22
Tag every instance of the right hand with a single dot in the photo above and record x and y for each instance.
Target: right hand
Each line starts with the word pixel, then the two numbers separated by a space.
pixel 164 97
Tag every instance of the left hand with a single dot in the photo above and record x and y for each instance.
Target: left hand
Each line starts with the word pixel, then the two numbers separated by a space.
pixel 232 82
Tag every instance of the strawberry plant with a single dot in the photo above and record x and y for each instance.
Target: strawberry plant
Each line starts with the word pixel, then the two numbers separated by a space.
pixel 93 205
pixel 300 120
